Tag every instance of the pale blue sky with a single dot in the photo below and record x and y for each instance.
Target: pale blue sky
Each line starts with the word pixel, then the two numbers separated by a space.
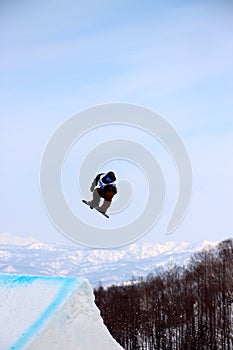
pixel 175 57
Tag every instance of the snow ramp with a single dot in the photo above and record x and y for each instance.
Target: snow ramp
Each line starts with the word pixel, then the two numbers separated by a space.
pixel 41 313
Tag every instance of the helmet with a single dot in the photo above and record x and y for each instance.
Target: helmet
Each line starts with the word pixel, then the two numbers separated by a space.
pixel 109 177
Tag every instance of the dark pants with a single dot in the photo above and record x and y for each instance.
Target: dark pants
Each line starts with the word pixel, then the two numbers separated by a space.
pixel 96 201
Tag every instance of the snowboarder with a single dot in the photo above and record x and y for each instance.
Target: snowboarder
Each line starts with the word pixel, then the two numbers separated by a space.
pixel 103 186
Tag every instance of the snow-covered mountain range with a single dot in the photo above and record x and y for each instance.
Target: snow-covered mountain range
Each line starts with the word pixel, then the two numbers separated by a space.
pixel 30 256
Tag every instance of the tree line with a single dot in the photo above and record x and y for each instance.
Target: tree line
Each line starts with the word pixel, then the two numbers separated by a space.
pixel 182 308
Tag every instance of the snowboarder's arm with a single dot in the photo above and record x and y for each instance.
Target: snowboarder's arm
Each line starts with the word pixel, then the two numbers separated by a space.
pixel 95 182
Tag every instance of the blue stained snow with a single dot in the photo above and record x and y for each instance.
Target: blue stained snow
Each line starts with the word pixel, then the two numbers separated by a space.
pixel 13 281
pixel 68 285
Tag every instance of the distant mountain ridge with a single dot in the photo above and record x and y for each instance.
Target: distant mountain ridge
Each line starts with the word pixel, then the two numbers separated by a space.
pixel 30 256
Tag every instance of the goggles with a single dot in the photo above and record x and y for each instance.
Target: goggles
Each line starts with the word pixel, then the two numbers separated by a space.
pixel 108 179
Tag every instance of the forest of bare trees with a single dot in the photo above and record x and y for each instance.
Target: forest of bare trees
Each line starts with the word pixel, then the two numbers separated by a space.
pixel 180 308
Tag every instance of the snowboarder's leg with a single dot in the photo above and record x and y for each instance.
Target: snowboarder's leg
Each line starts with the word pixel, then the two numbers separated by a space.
pixel 106 204
pixel 95 200
pixel 107 201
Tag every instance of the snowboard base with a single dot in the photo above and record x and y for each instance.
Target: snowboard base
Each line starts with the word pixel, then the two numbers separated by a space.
pixel 84 201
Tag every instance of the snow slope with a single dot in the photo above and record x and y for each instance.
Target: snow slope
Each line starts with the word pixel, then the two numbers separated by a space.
pixel 53 313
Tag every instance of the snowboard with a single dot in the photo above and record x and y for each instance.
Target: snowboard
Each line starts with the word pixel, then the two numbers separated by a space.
pixel 84 201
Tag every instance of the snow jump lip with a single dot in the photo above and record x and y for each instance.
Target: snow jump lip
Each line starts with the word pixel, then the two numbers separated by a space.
pixel 41 312
pixel 29 284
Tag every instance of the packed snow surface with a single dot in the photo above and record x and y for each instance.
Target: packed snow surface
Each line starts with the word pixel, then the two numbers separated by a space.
pixel 50 313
